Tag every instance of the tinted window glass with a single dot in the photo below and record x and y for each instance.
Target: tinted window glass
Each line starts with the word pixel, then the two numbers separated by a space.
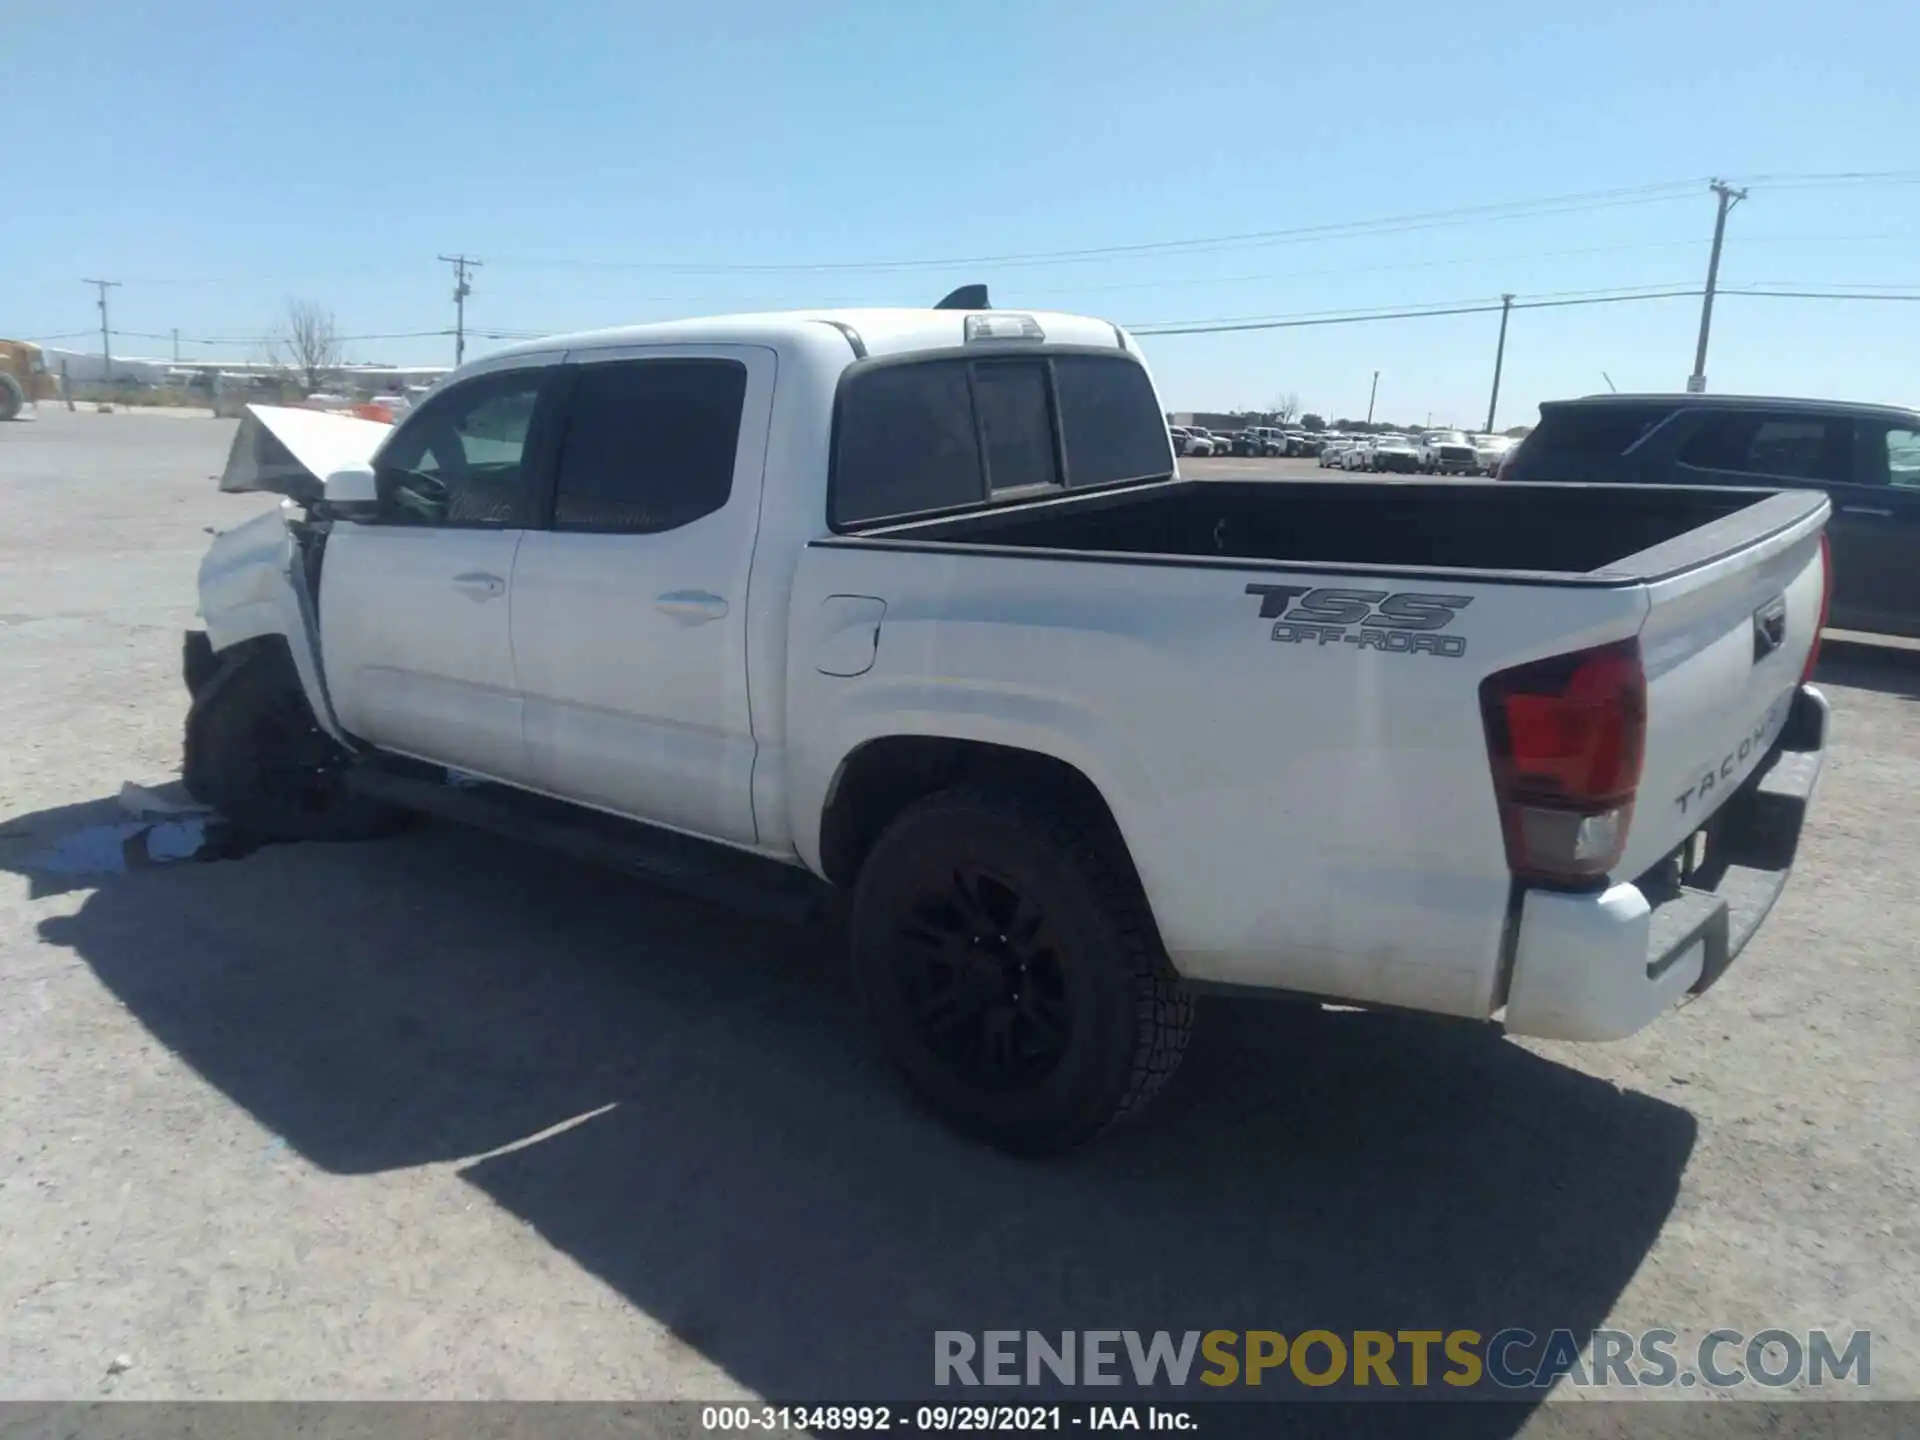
pixel 1016 422
pixel 906 442
pixel 1788 447
pixel 649 444
pixel 1592 430
pixel 1903 458
pixel 458 459
pixel 1719 444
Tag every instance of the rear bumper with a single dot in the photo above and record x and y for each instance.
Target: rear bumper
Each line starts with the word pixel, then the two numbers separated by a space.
pixel 1601 965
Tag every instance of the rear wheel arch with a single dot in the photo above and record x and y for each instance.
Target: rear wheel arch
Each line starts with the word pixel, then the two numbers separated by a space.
pixel 882 777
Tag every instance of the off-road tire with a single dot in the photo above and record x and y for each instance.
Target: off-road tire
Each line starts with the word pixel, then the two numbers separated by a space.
pixel 1127 1013
pixel 12 397
pixel 255 753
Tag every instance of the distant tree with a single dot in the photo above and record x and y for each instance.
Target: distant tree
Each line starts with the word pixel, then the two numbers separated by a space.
pixel 307 343
pixel 1313 424
pixel 1282 408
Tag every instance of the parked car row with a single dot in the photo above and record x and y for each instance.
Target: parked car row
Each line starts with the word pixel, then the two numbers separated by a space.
pixel 1437 452
pixel 1254 441
pixel 1193 440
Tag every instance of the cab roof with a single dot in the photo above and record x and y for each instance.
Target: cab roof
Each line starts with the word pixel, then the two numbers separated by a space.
pixel 1690 400
pixel 873 332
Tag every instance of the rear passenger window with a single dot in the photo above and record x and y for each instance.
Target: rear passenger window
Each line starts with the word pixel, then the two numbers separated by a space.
pixel 935 434
pixel 1783 447
pixel 649 445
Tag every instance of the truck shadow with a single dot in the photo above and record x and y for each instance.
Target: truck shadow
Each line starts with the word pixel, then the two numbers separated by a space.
pixel 1890 668
pixel 679 1100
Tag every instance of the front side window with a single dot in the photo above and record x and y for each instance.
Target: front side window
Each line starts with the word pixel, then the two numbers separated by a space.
pixel 649 444
pixel 460 459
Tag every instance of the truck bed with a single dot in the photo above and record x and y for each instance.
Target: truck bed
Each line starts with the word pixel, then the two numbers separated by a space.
pixel 1609 534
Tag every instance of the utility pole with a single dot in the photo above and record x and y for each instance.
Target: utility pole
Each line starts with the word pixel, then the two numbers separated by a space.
pixel 1728 197
pixel 461 289
pixel 1499 358
pixel 1371 394
pixel 106 345
pixel 176 344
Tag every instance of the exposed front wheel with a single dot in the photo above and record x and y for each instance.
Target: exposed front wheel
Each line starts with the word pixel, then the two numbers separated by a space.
pixel 255 753
pixel 1007 962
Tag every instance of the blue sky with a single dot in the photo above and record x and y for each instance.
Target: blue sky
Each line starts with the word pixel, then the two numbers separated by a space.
pixel 634 161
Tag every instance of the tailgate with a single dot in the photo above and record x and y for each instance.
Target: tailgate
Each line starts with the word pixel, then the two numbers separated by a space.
pixel 1726 640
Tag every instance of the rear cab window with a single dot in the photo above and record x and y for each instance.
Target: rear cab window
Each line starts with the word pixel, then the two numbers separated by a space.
pixel 914 436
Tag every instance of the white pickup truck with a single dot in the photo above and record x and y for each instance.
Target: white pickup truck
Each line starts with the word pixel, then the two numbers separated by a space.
pixel 911 604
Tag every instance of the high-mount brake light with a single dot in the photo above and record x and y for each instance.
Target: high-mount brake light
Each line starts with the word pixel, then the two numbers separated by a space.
pixel 1566 736
pixel 999 325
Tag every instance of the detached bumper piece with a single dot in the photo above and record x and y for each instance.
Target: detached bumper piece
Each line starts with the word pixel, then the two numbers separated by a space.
pixel 1600 966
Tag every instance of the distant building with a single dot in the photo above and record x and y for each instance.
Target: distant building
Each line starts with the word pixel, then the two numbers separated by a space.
pixel 1216 420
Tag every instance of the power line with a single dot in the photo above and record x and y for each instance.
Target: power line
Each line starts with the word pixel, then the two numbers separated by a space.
pixel 1504 210
pixel 1440 308
pixel 1821 294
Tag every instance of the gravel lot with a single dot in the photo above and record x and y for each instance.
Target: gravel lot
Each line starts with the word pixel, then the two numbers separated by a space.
pixel 443 1117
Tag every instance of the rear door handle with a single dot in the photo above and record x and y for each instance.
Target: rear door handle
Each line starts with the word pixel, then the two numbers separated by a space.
pixel 479 585
pixel 1866 510
pixel 691 607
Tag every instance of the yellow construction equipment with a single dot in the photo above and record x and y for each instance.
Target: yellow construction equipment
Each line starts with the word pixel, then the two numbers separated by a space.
pixel 23 377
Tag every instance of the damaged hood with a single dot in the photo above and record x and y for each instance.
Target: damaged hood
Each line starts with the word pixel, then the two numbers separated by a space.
pixel 288 451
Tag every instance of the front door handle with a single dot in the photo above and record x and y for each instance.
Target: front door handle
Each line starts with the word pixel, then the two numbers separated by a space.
pixel 479 585
pixel 1866 510
pixel 691 607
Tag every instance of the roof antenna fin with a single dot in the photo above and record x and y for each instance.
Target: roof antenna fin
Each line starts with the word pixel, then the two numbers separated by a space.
pixel 967 297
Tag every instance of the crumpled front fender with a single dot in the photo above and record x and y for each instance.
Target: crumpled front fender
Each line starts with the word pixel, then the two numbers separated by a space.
pixel 253 585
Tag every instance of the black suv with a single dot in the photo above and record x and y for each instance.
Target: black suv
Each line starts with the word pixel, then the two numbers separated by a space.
pixel 1866 457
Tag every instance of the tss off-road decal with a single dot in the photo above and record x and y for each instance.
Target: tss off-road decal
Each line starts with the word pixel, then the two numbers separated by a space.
pixel 1405 622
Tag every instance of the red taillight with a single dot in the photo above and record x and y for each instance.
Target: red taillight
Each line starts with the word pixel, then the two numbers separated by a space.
pixel 1566 737
pixel 1826 599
